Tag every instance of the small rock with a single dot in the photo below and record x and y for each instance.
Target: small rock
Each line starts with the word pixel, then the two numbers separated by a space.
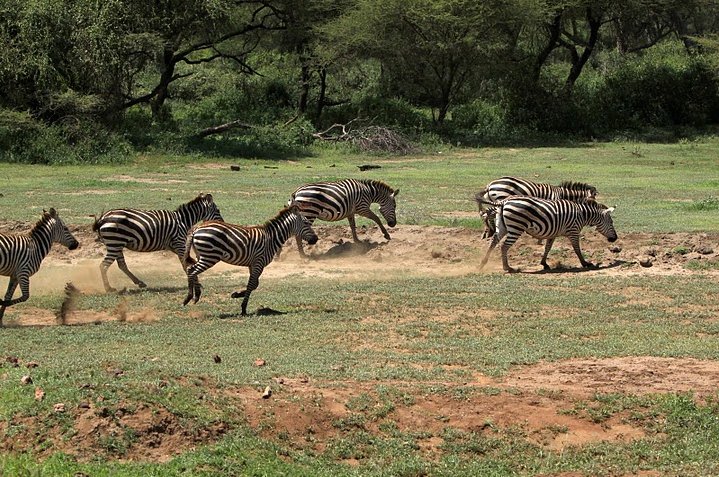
pixel 615 249
pixel 39 394
pixel 646 262
pixel 216 358
pixel 267 393
pixel 59 407
pixel 13 360
pixel 259 362
pixel 83 405
pixel 279 380
pixel 31 364
pixel 704 250
pixel 234 167
pixel 26 380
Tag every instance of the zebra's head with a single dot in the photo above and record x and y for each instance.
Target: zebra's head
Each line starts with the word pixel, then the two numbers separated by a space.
pixel 303 227
pixel 58 230
pixel 387 206
pixel 604 223
pixel 208 208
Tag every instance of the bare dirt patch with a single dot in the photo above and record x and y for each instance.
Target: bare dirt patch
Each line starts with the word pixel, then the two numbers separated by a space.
pixel 313 415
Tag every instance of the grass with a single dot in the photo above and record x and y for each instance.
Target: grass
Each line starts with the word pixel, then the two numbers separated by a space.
pixel 378 332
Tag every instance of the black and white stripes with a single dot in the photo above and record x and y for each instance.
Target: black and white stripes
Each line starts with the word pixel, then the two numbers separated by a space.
pixel 252 247
pixel 547 219
pixel 149 231
pixel 332 201
pixel 21 255
pixel 507 186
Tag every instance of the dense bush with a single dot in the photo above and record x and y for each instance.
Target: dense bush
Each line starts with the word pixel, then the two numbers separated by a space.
pixel 24 139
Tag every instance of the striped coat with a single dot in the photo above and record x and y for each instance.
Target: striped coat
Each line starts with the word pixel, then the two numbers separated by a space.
pixel 507 186
pixel 547 219
pixel 333 201
pixel 21 255
pixel 149 231
pixel 253 247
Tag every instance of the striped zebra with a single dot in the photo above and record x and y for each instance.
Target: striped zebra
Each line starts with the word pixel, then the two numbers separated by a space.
pixel 504 187
pixel 149 231
pixel 21 255
pixel 548 219
pixel 252 247
pixel 333 201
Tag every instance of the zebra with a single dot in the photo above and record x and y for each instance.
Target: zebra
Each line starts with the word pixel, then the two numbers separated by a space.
pixel 149 231
pixel 547 219
pixel 333 201
pixel 21 255
pixel 252 247
pixel 504 187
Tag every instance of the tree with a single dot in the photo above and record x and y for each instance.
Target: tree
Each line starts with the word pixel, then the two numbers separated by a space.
pixel 431 51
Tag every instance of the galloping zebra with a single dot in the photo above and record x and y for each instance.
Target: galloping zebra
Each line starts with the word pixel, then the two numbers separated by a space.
pixel 21 255
pixel 548 219
pixel 149 231
pixel 507 186
pixel 252 247
pixel 332 201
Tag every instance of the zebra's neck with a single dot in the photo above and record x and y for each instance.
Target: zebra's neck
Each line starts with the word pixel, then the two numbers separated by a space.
pixel 42 236
pixel 188 215
pixel 279 230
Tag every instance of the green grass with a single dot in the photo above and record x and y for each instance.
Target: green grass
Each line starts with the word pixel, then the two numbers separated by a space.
pixel 377 332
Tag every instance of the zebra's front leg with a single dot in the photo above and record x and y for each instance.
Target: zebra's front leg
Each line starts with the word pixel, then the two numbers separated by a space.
pixel 123 266
pixel 575 245
pixel 508 242
pixel 547 248
pixel 300 248
pixel 371 215
pixel 252 285
pixel 11 286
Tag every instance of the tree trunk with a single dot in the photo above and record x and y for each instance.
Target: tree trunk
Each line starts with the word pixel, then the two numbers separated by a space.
pixel 322 95
pixel 167 71
pixel 578 61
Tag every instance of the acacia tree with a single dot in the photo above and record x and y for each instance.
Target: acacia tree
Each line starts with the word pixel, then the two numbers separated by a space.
pixel 431 51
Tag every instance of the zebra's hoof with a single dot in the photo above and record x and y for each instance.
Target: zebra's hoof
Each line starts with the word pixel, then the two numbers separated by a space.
pixel 511 270
pixel 110 290
pixel 238 294
pixel 142 285
pixel 187 300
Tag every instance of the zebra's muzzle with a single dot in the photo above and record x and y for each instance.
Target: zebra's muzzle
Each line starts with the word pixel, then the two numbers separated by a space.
pixel 392 223
pixel 612 239
pixel 312 240
pixel 74 245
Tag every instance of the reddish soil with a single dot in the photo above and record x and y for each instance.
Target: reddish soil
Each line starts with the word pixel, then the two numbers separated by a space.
pixel 307 414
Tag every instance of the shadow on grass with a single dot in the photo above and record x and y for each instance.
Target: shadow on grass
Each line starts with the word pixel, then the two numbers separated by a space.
pixel 137 291
pixel 264 311
pixel 563 269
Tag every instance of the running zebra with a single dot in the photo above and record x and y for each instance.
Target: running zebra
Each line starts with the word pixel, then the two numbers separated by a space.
pixel 548 219
pixel 504 187
pixel 149 231
pixel 21 255
pixel 252 247
pixel 333 201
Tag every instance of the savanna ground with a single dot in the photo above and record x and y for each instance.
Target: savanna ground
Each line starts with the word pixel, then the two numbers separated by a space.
pixel 383 358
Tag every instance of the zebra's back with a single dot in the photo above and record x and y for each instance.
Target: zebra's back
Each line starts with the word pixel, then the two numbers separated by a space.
pixel 138 230
pixel 14 251
pixel 230 243
pixel 330 201
pixel 508 186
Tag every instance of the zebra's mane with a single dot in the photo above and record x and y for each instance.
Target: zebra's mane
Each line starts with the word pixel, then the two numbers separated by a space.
pixel 194 201
pixel 46 217
pixel 378 185
pixel 577 186
pixel 279 217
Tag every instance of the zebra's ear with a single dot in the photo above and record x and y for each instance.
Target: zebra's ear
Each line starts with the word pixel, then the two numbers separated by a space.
pixel 394 194
pixel 208 197
pixel 52 212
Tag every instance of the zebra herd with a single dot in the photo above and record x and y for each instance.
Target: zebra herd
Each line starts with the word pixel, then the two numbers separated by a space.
pixel 509 207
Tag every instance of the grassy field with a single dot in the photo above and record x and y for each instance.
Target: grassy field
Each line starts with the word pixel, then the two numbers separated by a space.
pixel 382 347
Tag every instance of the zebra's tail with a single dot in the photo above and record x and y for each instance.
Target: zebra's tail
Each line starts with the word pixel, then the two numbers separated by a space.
pixel 187 260
pixel 97 223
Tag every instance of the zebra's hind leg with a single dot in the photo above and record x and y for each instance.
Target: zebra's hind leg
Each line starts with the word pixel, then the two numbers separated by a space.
pixel 495 241
pixel 123 266
pixel 508 242
pixel 547 248
pixel 353 227
pixel 106 262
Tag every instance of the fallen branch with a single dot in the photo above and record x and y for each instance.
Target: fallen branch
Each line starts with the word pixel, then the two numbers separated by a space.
pixel 237 124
